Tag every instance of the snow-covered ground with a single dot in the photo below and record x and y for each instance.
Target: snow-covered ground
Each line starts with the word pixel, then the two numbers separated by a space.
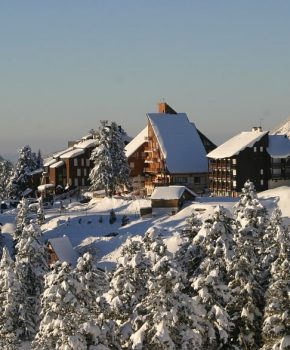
pixel 81 223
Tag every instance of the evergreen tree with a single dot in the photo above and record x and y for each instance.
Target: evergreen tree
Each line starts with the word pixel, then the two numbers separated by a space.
pixel 125 220
pixel 26 164
pixel 113 217
pixel 121 169
pixel 190 252
pixel 6 169
pixel 30 267
pixel 111 169
pixel 210 280
pixel 40 212
pixel 22 218
pixel 246 279
pixel 101 176
pixel 39 160
pixel 276 322
pixel 66 322
pixel 9 289
pixel 167 318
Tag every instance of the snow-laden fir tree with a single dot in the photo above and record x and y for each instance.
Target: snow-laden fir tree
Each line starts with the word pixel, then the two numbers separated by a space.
pixel 246 277
pixel 6 169
pixel 22 218
pixel 276 320
pixel 129 281
pixel 9 289
pixel 101 176
pixel 128 287
pixel 121 169
pixel 26 163
pixel 167 318
pixel 111 169
pixel 40 212
pixel 66 322
pixel 30 268
pixel 39 160
pixel 210 280
pixel 190 254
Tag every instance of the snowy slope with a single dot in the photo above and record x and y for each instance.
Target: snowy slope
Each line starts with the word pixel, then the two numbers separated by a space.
pixel 283 129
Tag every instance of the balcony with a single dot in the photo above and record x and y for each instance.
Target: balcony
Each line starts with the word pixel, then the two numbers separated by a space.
pixel 152 170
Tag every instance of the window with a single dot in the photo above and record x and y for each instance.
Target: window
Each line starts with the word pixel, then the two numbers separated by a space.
pixel 255 149
pixel 76 182
pixel 196 180
pixel 85 171
pixel 262 171
pixel 181 180
pixel 87 162
pixel 131 165
pixel 83 182
pixel 82 162
pixel 234 172
pixel 276 171
pixel 261 149
pixel 78 172
pixel 234 161
pixel 234 183
pixel 75 162
pixel 262 182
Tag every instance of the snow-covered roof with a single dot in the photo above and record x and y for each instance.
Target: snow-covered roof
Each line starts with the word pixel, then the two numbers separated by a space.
pixel 170 192
pixel 64 250
pixel 74 153
pixel 56 155
pixel 180 143
pixel 137 142
pixel 87 137
pixel 57 164
pixel 237 144
pixel 86 144
pixel 42 188
pixel 279 146
pixel 49 162
pixel 36 171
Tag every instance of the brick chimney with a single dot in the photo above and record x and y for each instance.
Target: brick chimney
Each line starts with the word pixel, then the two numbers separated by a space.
pixel 164 108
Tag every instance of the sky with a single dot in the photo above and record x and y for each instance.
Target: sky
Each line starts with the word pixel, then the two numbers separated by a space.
pixel 67 64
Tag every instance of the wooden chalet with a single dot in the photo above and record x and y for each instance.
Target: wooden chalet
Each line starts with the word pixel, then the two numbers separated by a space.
pixel 175 151
pixel 170 199
pixel 61 249
pixel 70 167
pixel 254 155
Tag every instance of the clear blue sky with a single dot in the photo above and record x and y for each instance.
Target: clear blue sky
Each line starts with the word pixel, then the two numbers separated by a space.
pixel 65 65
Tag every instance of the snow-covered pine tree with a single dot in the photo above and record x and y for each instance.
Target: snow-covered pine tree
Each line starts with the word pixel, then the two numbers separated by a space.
pixel 112 217
pixel 246 279
pixel 128 287
pixel 6 169
pixel 101 176
pixel 167 318
pixel 189 254
pixel 65 319
pixel 40 212
pixel 30 268
pixel 121 169
pixel 39 160
pixel 210 280
pixel 276 322
pixel 9 289
pixel 21 218
pixel 26 164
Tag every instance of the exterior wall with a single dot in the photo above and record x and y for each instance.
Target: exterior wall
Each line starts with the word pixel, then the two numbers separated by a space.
pixel 164 211
pixel 162 203
pixel 137 165
pixel 227 176
pixel 277 183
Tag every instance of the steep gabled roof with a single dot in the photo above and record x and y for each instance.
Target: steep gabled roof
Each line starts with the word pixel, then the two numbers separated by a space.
pixel 170 192
pixel 180 143
pixel 64 250
pixel 237 144
pixel 137 142
pixel 279 146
